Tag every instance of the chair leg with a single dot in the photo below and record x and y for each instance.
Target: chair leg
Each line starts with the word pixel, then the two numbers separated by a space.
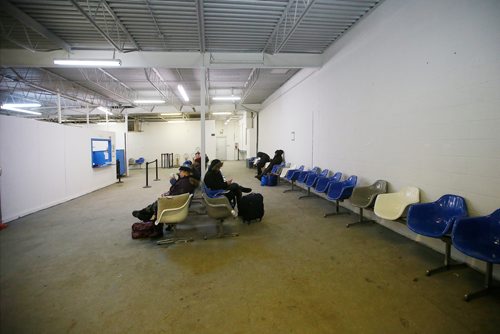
pixel 488 286
pixel 337 211
pixel 291 189
pixel 361 219
pixel 447 260
pixel 174 240
pixel 220 232
pixel 308 194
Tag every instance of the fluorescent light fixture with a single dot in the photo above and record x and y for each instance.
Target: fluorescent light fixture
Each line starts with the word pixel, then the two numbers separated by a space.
pixel 88 62
pixel 149 101
pixel 183 93
pixel 171 114
pixel 177 121
pixel 226 98
pixel 104 110
pixel 222 113
pixel 21 110
pixel 21 105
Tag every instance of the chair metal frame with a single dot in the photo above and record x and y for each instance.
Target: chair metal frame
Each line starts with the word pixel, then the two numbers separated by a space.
pixel 440 215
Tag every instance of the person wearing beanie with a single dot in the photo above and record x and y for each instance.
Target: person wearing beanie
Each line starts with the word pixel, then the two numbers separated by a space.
pixel 215 181
pixel 181 183
pixel 277 159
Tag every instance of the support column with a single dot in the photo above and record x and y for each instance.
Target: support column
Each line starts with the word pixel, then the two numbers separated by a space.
pixel 59 113
pixel 202 119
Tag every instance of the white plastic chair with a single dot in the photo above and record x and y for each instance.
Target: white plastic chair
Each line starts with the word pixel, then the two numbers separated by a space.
pixel 392 206
pixel 173 210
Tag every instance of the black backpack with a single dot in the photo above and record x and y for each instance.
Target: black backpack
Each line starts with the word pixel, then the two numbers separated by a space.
pixel 251 207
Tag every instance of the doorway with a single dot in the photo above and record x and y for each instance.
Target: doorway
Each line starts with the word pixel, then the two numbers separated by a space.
pixel 220 148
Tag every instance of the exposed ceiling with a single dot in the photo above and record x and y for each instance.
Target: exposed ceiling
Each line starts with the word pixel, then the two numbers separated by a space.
pixel 253 37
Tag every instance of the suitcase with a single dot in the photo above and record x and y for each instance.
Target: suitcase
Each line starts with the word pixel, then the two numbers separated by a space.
pixel 146 230
pixel 251 207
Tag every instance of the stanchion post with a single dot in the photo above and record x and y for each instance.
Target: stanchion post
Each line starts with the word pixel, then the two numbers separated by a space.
pixel 156 164
pixel 147 176
pixel 118 174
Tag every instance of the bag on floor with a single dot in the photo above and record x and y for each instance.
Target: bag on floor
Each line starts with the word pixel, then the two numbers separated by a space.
pixel 251 207
pixel 145 230
pixel 272 180
pixel 264 180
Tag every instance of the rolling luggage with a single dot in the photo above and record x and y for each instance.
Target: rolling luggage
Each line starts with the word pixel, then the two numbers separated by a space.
pixel 251 207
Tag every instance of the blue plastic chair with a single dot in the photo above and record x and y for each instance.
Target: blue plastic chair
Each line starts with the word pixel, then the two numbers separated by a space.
pixel 311 181
pixel 436 220
pixel 213 193
pixel 479 237
pixel 139 162
pixel 292 175
pixel 323 182
pixel 339 191
pixel 304 174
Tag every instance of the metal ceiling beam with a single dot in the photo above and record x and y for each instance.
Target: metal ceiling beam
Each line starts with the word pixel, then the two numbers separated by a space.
pixel 48 82
pixel 120 24
pixel 156 80
pixel 249 84
pixel 29 22
pixel 97 27
pixel 101 78
pixel 296 23
pixel 147 59
pixel 276 28
pixel 201 24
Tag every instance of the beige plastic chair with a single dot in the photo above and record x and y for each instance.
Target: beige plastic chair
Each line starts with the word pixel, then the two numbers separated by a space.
pixel 363 197
pixel 173 210
pixel 219 208
pixel 392 206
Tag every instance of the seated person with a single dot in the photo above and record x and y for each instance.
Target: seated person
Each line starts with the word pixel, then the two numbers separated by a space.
pixel 263 160
pixel 196 166
pixel 183 182
pixel 277 159
pixel 215 181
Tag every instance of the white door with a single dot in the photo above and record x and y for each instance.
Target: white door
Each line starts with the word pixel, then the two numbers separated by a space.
pixel 220 148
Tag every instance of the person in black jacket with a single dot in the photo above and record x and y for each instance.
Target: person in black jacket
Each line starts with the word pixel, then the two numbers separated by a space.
pixel 264 159
pixel 183 182
pixel 277 159
pixel 215 181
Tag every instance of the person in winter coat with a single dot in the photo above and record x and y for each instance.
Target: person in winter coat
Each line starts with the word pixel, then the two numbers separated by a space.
pixel 263 160
pixel 277 159
pixel 182 183
pixel 215 181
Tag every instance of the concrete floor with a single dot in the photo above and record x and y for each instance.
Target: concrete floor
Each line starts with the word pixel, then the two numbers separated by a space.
pixel 74 268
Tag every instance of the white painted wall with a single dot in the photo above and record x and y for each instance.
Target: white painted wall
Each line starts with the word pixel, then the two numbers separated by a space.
pixel 164 137
pixel 410 95
pixel 232 132
pixel 44 164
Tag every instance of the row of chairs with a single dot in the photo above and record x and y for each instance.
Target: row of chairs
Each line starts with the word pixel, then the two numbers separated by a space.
pixel 445 219
pixel 173 210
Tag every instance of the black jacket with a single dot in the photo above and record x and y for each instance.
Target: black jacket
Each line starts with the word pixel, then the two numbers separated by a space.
pixel 263 157
pixel 182 186
pixel 214 180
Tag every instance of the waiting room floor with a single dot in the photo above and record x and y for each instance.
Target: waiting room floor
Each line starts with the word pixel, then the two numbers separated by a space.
pixel 74 268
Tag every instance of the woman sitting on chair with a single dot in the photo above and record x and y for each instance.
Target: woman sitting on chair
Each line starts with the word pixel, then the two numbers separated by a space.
pixel 215 181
